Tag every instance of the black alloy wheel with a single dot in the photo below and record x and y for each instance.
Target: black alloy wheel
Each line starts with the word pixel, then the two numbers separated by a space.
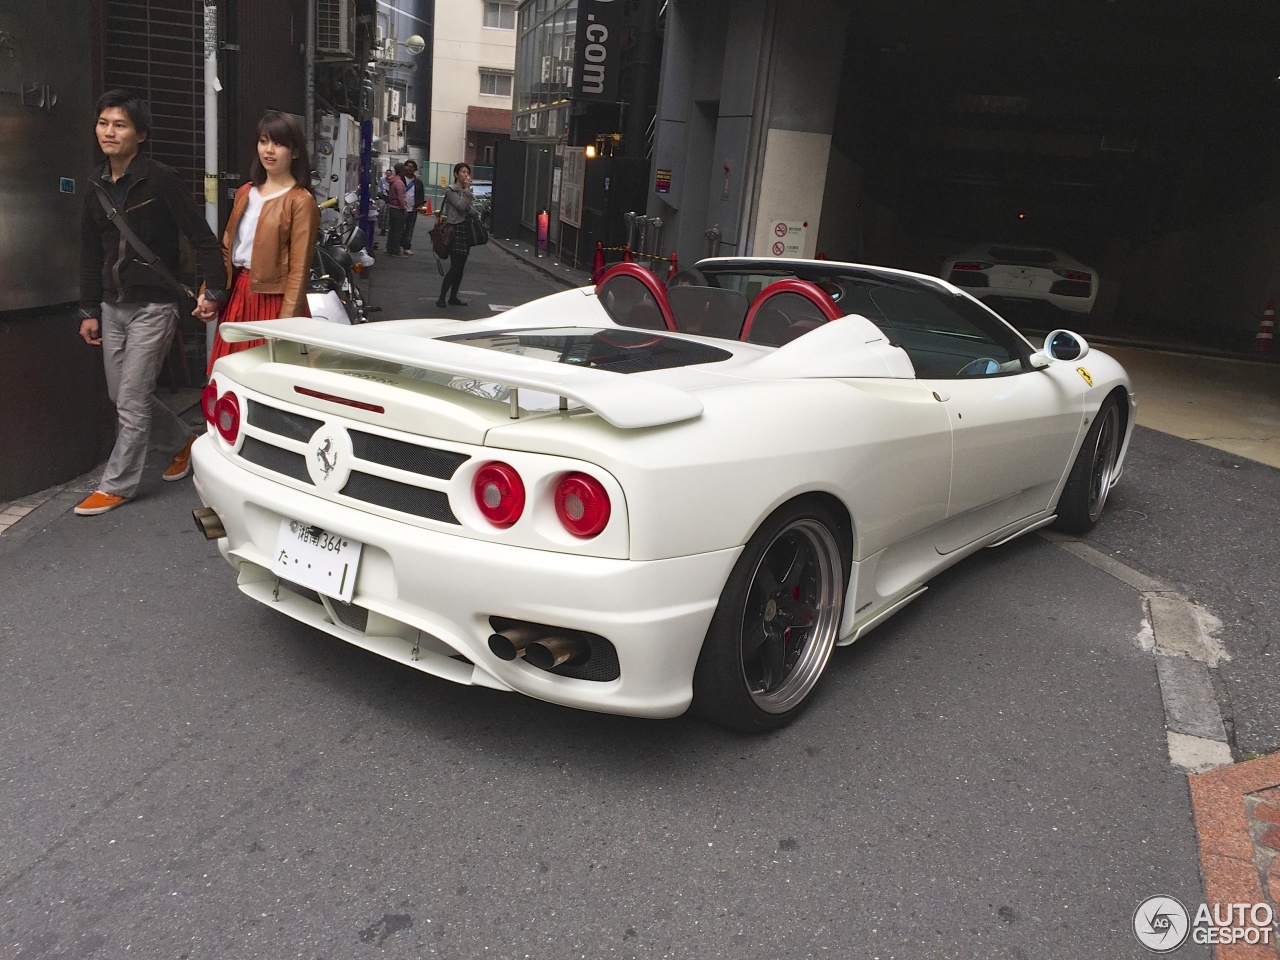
pixel 777 622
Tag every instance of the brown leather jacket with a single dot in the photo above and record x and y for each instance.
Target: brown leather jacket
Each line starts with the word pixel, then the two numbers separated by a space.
pixel 283 246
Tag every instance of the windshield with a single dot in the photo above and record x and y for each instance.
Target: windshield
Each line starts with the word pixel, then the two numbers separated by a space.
pixel 943 333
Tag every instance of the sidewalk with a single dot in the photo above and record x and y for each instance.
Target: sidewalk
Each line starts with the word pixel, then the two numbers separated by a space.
pixel 1237 813
pixel 546 264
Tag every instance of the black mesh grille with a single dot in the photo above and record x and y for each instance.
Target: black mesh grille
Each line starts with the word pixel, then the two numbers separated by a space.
pixel 1071 288
pixel 601 666
pixel 352 617
pixel 291 425
pixel 305 592
pixel 968 278
pixel 432 504
pixel 427 461
pixel 273 458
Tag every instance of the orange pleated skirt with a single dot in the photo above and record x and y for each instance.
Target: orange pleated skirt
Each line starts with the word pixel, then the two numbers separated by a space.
pixel 242 305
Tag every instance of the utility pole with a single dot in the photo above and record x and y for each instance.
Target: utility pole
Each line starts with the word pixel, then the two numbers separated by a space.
pixel 212 182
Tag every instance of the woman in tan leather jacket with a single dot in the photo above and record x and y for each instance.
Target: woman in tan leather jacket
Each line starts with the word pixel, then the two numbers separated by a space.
pixel 271 234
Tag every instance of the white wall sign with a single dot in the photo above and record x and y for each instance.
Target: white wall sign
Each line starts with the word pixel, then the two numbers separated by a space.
pixel 571 183
pixel 787 238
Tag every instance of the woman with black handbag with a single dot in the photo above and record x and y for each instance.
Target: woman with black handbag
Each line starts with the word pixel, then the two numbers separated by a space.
pixel 456 210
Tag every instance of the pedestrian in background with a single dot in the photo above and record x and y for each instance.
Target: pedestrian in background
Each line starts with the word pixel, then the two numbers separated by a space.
pixel 456 208
pixel 415 195
pixel 384 209
pixel 134 210
pixel 270 236
pixel 398 207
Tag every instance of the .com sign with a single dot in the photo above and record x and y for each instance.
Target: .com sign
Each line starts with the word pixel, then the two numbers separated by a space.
pixel 596 57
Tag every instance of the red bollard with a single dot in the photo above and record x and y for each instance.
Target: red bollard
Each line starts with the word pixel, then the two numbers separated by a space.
pixel 626 255
pixel 675 266
pixel 597 267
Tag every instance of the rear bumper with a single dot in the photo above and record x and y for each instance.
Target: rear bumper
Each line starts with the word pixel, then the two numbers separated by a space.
pixel 429 596
pixel 1009 295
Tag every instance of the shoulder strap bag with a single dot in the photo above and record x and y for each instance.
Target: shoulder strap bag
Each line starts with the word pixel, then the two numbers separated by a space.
pixel 151 260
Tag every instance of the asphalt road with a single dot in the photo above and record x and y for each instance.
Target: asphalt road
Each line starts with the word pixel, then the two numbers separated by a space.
pixel 185 773
pixel 1208 523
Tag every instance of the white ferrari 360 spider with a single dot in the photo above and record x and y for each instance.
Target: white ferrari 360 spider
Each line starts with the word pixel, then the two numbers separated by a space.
pixel 628 499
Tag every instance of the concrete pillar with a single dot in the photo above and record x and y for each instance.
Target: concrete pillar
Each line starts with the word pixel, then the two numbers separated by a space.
pixel 745 113
pixel 806 56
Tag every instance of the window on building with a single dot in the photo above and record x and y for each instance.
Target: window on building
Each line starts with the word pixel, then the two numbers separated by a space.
pixel 495 84
pixel 500 15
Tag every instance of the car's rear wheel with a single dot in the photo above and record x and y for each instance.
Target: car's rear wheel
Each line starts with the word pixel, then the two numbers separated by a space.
pixel 777 622
pixel 1093 473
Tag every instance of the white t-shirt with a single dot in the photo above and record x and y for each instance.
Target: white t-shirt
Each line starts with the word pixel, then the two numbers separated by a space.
pixel 242 249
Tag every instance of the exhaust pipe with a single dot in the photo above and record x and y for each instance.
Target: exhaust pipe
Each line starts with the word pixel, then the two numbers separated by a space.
pixel 550 652
pixel 209 523
pixel 511 643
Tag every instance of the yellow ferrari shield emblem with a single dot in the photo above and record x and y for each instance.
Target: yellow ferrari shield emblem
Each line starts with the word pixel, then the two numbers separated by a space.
pixel 1085 375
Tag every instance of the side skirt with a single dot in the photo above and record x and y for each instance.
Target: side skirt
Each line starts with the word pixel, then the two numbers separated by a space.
pixel 880 616
pixel 1023 530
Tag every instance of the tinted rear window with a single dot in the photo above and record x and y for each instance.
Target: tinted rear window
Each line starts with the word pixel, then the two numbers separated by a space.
pixel 1024 256
pixel 622 351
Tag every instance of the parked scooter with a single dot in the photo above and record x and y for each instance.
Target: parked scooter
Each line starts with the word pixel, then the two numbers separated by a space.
pixel 334 293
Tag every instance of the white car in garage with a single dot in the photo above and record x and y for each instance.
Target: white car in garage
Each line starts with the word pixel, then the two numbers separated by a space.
pixel 627 499
pixel 1003 273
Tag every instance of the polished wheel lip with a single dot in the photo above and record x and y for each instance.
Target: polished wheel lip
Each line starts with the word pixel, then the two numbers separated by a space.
pixel 1102 467
pixel 821 578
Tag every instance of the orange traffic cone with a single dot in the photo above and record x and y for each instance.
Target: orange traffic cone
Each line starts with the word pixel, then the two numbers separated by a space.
pixel 675 266
pixel 597 267
pixel 428 210
pixel 626 255
pixel 1266 329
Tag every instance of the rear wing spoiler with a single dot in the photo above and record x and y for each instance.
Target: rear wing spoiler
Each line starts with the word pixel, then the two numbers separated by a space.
pixel 625 401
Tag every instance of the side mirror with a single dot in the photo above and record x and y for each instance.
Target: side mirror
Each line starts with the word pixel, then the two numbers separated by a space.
pixel 1065 345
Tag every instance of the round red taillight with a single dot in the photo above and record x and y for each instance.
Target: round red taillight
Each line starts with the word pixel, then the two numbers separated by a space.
pixel 582 504
pixel 499 493
pixel 226 417
pixel 208 400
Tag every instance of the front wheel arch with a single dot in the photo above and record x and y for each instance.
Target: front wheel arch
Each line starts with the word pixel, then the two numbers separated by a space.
pixel 1094 470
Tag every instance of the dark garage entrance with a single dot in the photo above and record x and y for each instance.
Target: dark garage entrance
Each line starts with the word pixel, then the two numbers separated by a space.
pixel 1142 138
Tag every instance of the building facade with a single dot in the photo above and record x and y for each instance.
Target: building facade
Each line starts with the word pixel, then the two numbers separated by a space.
pixel 473 64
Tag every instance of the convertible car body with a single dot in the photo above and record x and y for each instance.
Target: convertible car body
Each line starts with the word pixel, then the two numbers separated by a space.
pixel 628 499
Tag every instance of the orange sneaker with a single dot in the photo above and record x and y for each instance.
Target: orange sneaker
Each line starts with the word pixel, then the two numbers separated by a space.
pixel 98 502
pixel 181 463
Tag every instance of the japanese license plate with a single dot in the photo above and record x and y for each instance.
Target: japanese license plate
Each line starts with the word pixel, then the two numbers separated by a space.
pixel 315 558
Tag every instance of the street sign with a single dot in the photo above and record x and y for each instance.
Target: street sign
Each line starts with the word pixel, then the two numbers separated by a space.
pixel 789 238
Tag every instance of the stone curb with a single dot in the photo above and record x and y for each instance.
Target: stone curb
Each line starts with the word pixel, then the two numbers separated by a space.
pixel 1184 653
pixel 569 276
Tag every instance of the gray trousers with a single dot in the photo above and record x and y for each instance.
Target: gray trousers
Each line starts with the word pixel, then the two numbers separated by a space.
pixel 135 342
